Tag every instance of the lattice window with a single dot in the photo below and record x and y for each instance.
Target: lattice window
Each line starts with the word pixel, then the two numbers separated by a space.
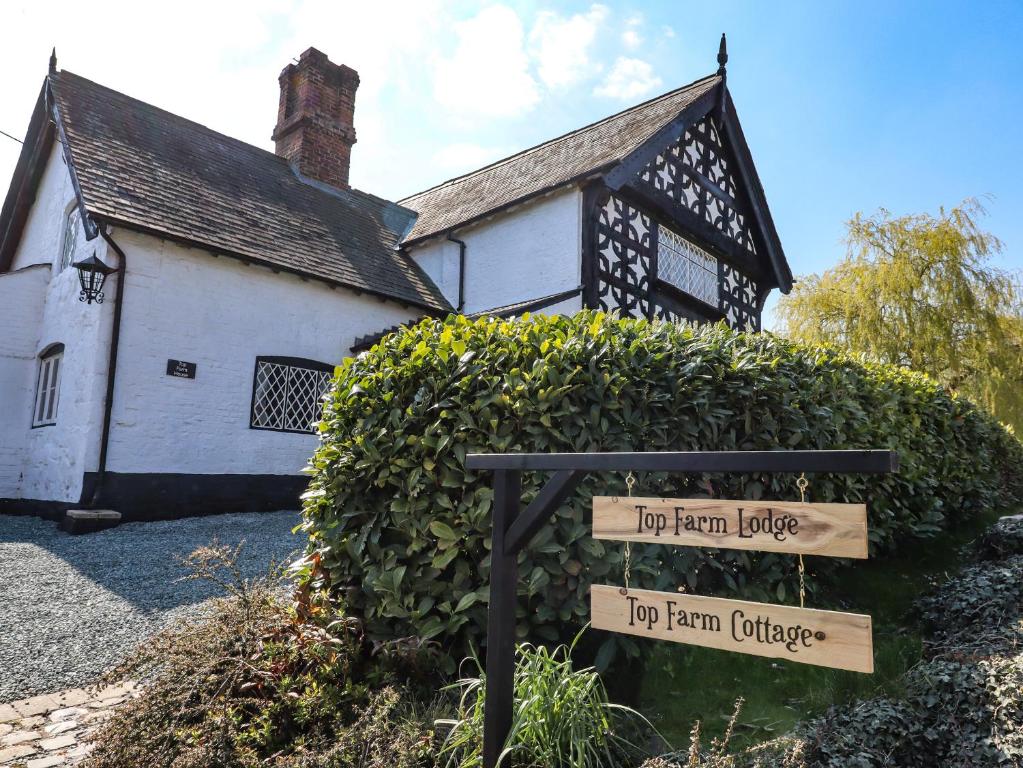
pixel 44 412
pixel 288 393
pixel 696 174
pixel 71 227
pixel 687 266
pixel 738 299
pixel 624 255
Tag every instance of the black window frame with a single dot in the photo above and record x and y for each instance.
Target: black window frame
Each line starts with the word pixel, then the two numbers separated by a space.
pixel 291 362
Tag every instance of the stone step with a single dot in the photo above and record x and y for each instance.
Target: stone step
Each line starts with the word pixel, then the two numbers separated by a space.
pixel 77 521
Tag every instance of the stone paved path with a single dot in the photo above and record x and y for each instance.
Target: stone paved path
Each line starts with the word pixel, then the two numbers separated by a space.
pixel 52 730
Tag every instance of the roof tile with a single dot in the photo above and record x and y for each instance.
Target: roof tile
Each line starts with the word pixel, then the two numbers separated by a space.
pixel 142 166
pixel 546 166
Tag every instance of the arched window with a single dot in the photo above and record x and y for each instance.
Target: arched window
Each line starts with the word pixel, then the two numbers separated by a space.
pixel 287 393
pixel 48 386
pixel 71 228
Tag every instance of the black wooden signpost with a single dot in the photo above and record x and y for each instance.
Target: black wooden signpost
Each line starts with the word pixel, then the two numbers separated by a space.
pixel 513 529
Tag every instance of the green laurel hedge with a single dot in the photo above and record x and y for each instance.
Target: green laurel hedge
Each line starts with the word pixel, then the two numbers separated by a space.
pixel 399 527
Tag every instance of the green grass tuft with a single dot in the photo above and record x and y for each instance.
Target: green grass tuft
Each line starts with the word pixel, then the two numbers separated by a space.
pixel 562 717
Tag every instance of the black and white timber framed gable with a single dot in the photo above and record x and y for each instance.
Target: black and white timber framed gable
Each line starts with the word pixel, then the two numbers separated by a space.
pixel 675 222
pixel 680 228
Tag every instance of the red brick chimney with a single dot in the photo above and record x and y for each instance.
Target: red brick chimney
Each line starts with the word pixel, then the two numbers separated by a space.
pixel 315 120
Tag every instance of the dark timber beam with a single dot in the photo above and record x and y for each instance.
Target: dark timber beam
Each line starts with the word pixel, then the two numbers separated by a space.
pixel 504 577
pixel 755 192
pixel 843 461
pixel 638 159
pixel 551 496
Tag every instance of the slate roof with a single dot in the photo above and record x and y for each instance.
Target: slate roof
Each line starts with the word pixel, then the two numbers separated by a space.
pixel 547 166
pixel 143 167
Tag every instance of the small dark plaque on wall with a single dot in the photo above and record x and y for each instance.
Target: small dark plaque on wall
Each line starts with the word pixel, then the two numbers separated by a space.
pixel 181 369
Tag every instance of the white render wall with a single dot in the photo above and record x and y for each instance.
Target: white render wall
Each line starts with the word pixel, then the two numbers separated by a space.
pixel 527 253
pixel 22 295
pixel 53 458
pixel 44 228
pixel 180 303
pixel 185 304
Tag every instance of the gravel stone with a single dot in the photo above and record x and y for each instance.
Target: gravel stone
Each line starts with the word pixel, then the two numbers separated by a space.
pixel 74 606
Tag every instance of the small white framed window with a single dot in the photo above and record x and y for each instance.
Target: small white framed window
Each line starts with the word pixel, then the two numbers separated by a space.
pixel 71 228
pixel 287 393
pixel 51 361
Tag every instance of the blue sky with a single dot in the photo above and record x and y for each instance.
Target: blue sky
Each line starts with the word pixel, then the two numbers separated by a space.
pixel 847 106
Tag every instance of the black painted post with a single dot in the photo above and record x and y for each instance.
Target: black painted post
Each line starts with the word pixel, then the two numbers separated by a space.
pixel 504 576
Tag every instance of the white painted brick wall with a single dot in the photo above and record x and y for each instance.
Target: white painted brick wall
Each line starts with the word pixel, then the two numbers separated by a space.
pixel 527 253
pixel 179 303
pixel 22 295
pixel 41 239
pixel 53 458
pixel 184 304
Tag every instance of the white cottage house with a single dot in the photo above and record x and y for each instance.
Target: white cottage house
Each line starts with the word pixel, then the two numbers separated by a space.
pixel 239 278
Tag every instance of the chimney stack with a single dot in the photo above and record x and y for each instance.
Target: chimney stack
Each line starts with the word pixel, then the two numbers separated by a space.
pixel 315 120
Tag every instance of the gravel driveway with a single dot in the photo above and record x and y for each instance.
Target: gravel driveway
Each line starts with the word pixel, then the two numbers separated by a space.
pixel 72 606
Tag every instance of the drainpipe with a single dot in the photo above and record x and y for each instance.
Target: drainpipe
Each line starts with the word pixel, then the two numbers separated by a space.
pixel 115 337
pixel 461 271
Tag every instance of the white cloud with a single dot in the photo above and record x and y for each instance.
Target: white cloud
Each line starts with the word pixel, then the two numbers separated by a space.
pixel 631 37
pixel 464 157
pixel 230 82
pixel 488 73
pixel 561 46
pixel 426 67
pixel 628 79
pixel 669 32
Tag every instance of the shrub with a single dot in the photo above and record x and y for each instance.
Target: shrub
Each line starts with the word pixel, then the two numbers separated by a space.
pixel 1002 539
pixel 978 612
pixel 401 530
pixel 562 719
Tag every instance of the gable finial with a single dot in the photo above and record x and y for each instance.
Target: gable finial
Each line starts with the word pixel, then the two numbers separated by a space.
pixel 722 56
pixel 53 60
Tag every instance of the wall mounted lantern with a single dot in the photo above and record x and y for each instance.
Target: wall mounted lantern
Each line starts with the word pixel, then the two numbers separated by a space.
pixel 92 273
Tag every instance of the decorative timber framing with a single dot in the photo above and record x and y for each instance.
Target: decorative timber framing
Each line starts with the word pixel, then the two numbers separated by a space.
pixel 626 258
pixel 693 180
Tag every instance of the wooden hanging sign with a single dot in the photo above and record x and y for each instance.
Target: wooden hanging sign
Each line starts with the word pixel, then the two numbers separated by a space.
pixel 803 635
pixel 836 530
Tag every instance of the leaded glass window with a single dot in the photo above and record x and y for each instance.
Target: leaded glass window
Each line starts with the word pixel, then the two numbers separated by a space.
pixel 74 218
pixel 687 266
pixel 288 394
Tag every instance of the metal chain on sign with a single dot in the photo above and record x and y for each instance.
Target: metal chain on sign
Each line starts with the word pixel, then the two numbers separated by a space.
pixel 630 481
pixel 802 484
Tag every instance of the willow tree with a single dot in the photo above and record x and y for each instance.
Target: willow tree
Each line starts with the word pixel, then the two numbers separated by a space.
pixel 922 291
